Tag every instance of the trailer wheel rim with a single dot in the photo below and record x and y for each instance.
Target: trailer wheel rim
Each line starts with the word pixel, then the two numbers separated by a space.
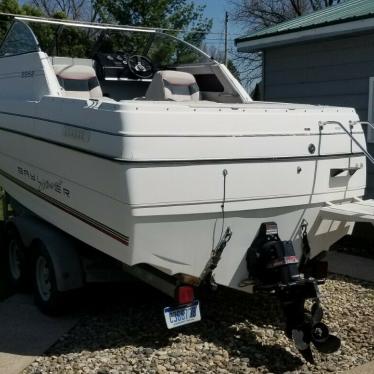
pixel 15 256
pixel 43 278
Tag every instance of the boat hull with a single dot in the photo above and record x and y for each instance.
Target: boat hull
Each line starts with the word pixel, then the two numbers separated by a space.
pixel 169 215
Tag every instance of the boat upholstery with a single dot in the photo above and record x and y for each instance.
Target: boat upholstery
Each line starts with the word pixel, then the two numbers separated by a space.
pixel 173 85
pixel 77 77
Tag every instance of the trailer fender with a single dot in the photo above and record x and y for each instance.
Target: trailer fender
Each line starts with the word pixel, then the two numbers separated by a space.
pixel 60 246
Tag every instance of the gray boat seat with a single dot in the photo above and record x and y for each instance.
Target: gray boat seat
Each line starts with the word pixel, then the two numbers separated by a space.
pixel 173 85
pixel 77 77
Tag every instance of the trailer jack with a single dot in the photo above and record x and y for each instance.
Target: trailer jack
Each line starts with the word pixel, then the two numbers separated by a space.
pixel 274 267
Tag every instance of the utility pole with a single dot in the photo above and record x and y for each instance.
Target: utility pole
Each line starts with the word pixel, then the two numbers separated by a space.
pixel 226 29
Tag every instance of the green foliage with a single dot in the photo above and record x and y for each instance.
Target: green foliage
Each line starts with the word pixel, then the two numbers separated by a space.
pixel 170 14
pixel 165 14
pixel 76 42
pixel 7 6
pixel 12 6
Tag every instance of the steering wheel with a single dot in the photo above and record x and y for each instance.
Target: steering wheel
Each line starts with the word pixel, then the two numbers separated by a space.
pixel 141 66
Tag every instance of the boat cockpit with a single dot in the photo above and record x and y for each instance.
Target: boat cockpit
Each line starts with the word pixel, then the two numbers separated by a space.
pixel 115 63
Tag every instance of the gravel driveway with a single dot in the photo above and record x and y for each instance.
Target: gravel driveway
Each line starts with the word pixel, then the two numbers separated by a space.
pixel 124 332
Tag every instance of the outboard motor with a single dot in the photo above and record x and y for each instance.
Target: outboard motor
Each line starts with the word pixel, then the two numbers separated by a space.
pixel 274 266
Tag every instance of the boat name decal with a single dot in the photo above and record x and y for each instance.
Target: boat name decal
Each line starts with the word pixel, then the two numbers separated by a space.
pixel 27 74
pixel 44 184
pixel 77 134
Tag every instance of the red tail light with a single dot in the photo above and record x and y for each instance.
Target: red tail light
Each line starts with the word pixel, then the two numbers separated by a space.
pixel 185 295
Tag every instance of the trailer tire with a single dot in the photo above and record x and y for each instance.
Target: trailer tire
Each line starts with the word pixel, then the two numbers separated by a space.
pixel 17 264
pixel 47 297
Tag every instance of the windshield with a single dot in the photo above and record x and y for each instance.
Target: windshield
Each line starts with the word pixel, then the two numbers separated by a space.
pixel 18 40
pixel 122 62
pixel 163 49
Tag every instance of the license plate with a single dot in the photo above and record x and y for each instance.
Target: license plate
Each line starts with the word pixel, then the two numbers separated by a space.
pixel 182 315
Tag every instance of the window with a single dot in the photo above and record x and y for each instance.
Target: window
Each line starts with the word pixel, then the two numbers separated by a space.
pixel 209 83
pixel 19 39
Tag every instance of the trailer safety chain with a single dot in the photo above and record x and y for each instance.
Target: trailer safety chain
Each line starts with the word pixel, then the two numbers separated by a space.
pixel 207 274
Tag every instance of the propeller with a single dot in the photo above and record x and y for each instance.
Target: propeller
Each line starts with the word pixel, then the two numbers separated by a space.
pixel 312 330
pixel 323 340
pixel 316 312
pixel 301 338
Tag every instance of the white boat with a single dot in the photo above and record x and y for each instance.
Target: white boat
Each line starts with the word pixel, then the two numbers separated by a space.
pixel 169 163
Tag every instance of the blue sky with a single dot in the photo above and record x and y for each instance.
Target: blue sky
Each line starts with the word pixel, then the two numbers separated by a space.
pixel 215 9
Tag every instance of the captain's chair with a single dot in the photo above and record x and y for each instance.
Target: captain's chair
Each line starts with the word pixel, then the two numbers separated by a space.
pixel 77 77
pixel 173 85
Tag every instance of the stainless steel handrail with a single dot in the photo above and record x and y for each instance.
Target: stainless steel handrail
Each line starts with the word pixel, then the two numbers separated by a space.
pixel 351 124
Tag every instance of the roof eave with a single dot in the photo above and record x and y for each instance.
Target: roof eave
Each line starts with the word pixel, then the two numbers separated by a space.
pixel 299 36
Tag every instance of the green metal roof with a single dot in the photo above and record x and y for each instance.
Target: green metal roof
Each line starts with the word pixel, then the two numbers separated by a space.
pixel 350 10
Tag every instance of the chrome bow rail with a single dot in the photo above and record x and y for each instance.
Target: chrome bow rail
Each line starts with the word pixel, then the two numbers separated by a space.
pixel 349 133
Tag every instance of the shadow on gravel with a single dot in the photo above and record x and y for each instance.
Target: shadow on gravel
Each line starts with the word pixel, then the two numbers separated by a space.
pixel 114 316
